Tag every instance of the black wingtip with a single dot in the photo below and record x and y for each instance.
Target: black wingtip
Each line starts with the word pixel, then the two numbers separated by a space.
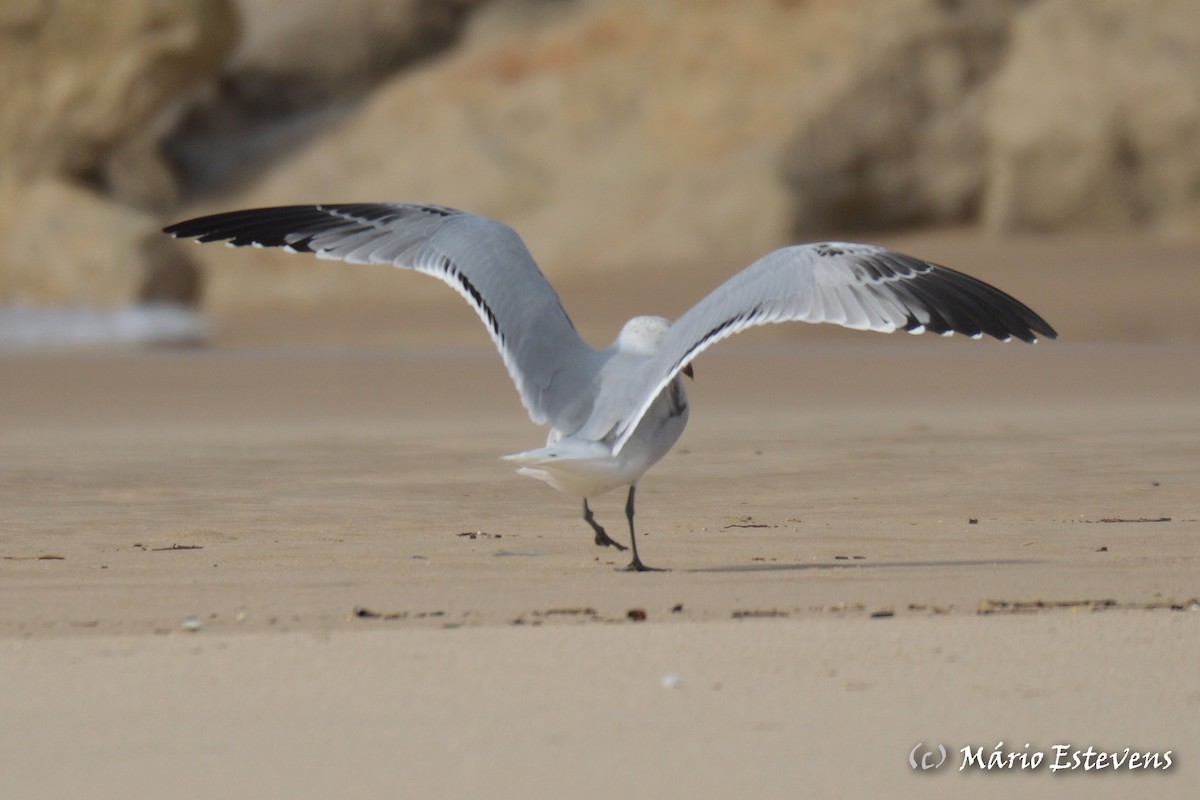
pixel 279 226
pixel 295 226
pixel 980 308
pixel 1038 328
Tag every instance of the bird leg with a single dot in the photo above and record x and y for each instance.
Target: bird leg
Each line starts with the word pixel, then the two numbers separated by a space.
pixel 636 565
pixel 602 538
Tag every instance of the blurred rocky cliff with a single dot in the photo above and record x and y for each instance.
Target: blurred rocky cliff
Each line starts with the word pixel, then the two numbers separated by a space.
pixel 613 134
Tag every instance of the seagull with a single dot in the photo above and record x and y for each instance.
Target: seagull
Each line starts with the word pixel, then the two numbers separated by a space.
pixel 613 413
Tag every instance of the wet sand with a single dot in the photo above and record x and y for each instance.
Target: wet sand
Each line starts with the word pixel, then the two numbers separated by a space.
pixel 250 572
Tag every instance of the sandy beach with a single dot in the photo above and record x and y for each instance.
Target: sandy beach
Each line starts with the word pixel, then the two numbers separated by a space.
pixel 292 565
pixel 257 539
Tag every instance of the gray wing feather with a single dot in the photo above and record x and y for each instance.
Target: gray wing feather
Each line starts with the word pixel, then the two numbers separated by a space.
pixel 853 285
pixel 483 260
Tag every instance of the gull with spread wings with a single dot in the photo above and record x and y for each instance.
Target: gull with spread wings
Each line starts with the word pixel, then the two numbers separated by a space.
pixel 613 413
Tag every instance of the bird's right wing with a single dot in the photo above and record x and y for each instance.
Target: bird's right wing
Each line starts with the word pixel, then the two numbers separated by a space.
pixel 483 260
pixel 854 285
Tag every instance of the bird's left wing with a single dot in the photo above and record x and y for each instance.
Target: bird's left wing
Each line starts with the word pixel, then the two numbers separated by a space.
pixel 854 285
pixel 482 259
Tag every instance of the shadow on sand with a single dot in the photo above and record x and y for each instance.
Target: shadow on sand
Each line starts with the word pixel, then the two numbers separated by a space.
pixel 862 564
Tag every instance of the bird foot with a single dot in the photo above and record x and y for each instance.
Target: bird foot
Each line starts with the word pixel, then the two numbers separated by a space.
pixel 637 566
pixel 604 540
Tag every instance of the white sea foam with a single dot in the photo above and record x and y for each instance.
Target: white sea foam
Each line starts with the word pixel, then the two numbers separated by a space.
pixel 25 326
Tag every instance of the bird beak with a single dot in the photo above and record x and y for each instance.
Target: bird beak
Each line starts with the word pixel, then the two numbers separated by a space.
pixel 688 371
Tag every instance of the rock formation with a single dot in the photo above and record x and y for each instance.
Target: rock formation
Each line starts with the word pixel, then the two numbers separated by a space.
pixel 87 89
pixel 614 134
